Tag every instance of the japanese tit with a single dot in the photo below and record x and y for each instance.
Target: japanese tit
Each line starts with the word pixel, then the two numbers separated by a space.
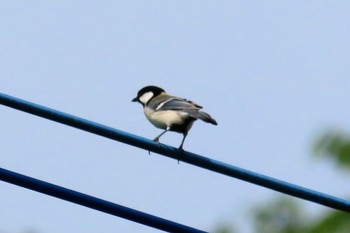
pixel 169 112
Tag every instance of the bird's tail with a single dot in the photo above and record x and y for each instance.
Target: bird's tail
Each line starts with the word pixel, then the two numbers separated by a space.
pixel 203 116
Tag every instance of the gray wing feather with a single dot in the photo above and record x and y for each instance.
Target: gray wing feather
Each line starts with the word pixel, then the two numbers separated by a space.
pixel 178 104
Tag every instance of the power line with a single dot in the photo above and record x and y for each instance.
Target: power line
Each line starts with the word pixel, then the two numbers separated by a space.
pixel 191 158
pixel 94 203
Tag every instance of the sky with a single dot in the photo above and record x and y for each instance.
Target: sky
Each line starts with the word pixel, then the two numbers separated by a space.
pixel 274 74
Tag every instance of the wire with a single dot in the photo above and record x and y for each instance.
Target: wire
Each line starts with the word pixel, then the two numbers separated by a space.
pixel 94 203
pixel 188 157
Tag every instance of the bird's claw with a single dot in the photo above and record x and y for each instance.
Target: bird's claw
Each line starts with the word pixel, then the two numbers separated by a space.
pixel 157 141
pixel 181 153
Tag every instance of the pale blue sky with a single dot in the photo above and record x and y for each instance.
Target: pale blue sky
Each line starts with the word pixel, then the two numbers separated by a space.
pixel 273 73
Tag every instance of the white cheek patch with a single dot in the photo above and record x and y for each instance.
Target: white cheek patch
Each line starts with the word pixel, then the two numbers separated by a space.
pixel 146 97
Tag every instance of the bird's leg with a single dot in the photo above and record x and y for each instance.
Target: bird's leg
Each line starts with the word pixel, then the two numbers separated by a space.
pixel 157 138
pixel 181 146
pixel 182 142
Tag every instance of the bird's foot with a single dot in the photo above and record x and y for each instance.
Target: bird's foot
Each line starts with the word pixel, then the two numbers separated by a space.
pixel 180 154
pixel 157 141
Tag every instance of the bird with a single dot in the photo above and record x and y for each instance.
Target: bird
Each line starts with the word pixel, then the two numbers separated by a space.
pixel 170 113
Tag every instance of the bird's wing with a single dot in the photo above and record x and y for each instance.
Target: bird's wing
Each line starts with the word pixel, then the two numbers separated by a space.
pixel 183 105
pixel 177 104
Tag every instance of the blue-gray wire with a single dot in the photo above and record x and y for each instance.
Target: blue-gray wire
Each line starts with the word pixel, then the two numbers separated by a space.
pixel 94 203
pixel 188 157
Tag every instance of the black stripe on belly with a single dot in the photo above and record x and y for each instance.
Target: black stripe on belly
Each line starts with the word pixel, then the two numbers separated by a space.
pixel 183 128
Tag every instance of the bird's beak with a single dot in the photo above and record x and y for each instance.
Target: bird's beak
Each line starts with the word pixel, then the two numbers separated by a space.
pixel 135 99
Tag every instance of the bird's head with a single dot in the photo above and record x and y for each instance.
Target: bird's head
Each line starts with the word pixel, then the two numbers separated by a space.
pixel 147 93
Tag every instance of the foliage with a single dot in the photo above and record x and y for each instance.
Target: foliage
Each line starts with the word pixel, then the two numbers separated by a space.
pixel 286 215
pixel 281 215
pixel 336 145
pixel 334 222
pixel 224 229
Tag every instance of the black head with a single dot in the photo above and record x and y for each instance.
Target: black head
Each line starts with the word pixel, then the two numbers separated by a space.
pixel 147 93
